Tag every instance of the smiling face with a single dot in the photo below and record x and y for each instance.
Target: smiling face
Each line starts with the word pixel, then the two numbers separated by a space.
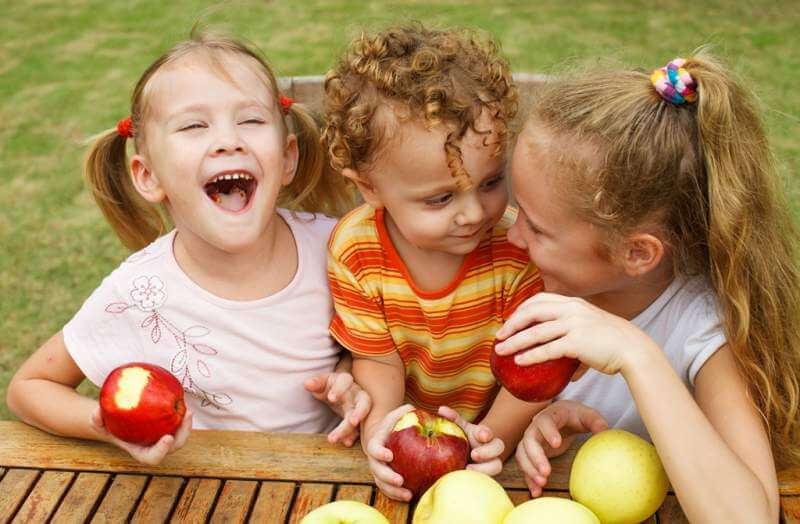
pixel 215 151
pixel 410 178
pixel 568 250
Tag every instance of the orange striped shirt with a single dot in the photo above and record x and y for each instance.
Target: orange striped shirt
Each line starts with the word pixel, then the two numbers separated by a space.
pixel 444 338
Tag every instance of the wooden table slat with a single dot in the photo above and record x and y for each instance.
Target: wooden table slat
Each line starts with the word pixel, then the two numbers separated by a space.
pixel 2 472
pixel 396 512
pixel 43 499
pixel 310 496
pixel 196 501
pixel 357 492
pixel 234 501
pixel 13 489
pixel 670 512
pixel 221 454
pixel 518 496
pixel 272 504
pixel 790 510
pixel 158 499
pixel 120 499
pixel 82 496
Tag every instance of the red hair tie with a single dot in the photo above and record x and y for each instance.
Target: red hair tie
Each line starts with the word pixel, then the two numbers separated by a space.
pixel 286 103
pixel 125 128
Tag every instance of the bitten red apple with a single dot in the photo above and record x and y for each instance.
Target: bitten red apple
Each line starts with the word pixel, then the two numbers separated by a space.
pixel 141 402
pixel 424 447
pixel 534 383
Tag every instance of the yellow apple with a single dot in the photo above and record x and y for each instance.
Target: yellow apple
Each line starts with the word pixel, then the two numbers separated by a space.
pixel 551 510
pixel 463 497
pixel 345 512
pixel 619 477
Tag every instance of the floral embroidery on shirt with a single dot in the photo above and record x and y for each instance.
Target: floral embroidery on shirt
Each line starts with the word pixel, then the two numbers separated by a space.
pixel 149 294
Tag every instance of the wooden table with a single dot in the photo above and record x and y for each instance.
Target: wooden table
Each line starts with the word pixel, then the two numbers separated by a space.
pixel 222 476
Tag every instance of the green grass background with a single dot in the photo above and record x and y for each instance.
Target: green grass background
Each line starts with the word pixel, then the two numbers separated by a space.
pixel 67 69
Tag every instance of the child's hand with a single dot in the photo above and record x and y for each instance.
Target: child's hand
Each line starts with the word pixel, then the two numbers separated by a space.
pixel 550 434
pixel 486 449
pixel 378 456
pixel 346 399
pixel 150 455
pixel 562 326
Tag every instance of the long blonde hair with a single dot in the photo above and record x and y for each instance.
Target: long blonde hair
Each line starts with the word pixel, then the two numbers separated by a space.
pixel 705 173
pixel 136 221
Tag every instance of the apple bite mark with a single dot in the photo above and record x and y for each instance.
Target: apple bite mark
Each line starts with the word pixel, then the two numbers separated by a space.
pixel 141 402
pixel 130 386
pixel 231 191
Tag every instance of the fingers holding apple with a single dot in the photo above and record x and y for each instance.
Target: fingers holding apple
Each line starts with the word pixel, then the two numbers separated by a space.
pixel 486 448
pixel 150 455
pixel 379 455
pixel 424 447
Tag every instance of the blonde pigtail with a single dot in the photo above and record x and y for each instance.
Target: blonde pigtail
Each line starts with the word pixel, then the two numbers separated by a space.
pixel 314 188
pixel 135 221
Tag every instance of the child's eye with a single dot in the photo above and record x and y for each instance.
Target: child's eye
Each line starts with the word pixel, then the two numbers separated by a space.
pixel 195 125
pixel 252 121
pixel 492 182
pixel 440 200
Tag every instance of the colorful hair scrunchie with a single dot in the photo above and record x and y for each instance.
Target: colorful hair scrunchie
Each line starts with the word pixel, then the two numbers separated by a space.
pixel 674 83
pixel 125 128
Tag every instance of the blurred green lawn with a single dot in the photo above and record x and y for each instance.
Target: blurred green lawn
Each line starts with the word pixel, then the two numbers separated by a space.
pixel 67 69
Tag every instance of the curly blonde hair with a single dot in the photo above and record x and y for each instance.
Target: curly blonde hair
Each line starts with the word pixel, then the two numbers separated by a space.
pixel 704 172
pixel 438 76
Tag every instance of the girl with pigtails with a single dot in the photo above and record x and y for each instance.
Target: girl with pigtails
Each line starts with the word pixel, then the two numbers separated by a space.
pixel 651 207
pixel 233 300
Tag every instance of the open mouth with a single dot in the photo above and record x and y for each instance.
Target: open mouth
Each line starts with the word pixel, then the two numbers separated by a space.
pixel 231 191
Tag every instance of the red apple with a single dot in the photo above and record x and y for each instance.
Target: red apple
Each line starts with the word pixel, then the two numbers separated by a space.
pixel 424 447
pixel 534 383
pixel 141 402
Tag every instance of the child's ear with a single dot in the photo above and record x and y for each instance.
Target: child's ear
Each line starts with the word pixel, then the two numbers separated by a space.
pixel 145 181
pixel 290 159
pixel 642 253
pixel 366 187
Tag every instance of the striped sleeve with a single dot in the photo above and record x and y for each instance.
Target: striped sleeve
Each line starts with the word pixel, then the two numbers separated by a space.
pixel 359 323
pixel 525 284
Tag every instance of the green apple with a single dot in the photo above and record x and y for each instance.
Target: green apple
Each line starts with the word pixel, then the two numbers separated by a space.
pixel 619 477
pixel 551 510
pixel 345 512
pixel 464 497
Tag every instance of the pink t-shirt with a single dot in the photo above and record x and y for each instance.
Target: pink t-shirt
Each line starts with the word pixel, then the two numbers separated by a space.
pixel 242 363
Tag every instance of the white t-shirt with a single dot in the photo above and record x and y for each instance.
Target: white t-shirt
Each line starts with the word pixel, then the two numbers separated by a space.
pixel 684 321
pixel 242 363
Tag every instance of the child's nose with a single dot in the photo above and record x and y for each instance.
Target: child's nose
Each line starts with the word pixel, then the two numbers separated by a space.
pixel 515 236
pixel 227 140
pixel 471 212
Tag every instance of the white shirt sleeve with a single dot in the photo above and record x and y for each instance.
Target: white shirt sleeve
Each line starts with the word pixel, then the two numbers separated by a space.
pixel 706 333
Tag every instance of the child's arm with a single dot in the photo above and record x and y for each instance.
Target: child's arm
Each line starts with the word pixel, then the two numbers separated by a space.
pixel 508 417
pixel 383 378
pixel 42 394
pixel 714 446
